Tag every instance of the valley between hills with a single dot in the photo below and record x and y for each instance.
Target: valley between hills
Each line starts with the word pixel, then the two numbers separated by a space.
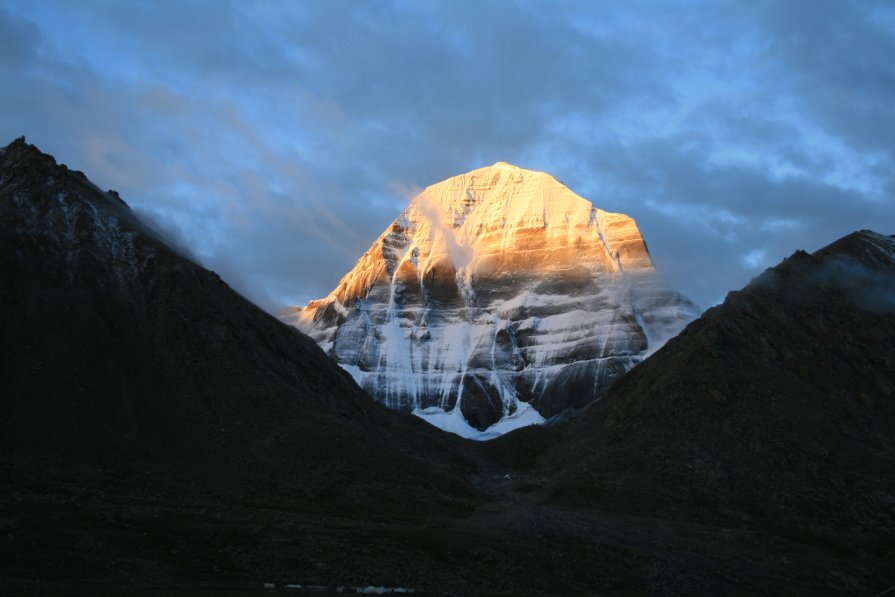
pixel 161 435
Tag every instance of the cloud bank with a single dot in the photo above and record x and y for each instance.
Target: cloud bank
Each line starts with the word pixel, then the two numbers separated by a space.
pixel 279 138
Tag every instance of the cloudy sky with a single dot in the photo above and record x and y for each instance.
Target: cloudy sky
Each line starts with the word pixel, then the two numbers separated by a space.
pixel 276 140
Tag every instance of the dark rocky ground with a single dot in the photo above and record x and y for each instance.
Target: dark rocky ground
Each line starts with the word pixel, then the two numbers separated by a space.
pixel 161 435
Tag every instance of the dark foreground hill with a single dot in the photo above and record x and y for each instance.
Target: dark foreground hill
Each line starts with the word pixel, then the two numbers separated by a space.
pixel 773 412
pixel 777 404
pixel 160 435
pixel 138 390
pixel 118 351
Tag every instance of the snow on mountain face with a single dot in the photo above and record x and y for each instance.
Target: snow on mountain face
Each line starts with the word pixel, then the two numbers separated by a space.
pixel 495 291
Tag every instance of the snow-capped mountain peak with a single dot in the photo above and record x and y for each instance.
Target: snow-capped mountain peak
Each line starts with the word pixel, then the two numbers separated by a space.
pixel 495 290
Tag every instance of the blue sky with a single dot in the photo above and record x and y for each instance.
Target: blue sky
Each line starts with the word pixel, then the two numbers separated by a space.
pixel 276 140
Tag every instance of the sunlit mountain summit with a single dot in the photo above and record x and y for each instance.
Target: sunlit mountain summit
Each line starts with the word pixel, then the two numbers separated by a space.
pixel 499 298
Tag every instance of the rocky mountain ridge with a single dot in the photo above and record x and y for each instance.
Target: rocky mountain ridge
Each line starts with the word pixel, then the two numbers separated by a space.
pixel 774 411
pixel 116 347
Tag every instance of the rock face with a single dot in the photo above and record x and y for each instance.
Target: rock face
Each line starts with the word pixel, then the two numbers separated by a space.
pixel 494 293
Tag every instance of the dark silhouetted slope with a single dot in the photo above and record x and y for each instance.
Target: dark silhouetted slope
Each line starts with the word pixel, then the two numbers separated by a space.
pixel 774 411
pixel 760 440
pixel 115 347
pixel 137 387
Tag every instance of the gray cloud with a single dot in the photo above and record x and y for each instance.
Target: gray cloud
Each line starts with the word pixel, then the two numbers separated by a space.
pixel 277 137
